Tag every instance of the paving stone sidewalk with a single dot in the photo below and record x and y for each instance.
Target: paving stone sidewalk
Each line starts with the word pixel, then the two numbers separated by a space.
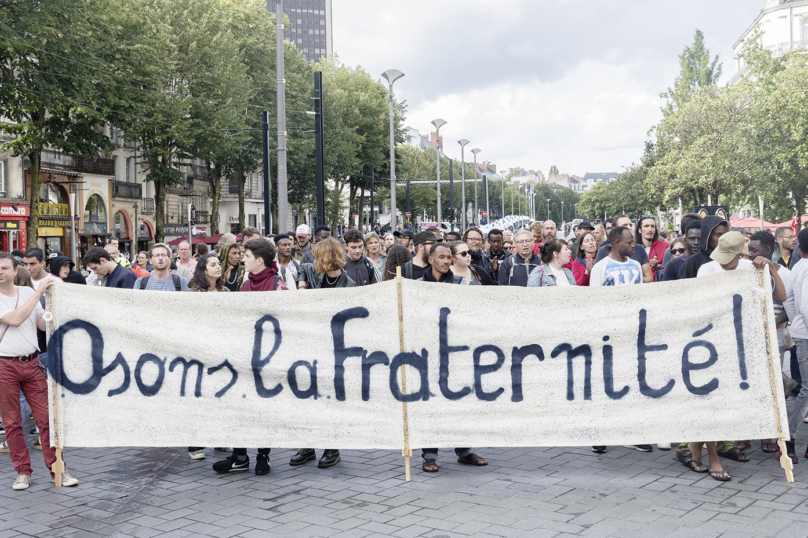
pixel 535 492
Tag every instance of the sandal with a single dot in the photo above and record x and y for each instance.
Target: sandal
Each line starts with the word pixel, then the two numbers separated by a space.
pixel 691 464
pixel 472 459
pixel 768 447
pixel 742 445
pixel 718 475
pixel 684 457
pixel 734 454
pixel 430 466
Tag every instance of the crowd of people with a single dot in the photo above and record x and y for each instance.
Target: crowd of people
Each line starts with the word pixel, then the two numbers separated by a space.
pixel 618 252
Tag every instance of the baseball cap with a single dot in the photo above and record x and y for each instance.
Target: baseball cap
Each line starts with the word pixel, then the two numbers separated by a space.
pixel 586 224
pixel 54 254
pixel 407 233
pixel 729 245
pixel 424 237
pixel 303 230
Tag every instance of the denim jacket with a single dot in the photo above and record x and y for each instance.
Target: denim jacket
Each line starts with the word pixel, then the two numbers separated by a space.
pixel 542 276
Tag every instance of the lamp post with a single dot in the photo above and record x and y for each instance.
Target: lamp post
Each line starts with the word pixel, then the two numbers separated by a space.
pixel 487 181
pixel 475 151
pixel 562 213
pixel 438 123
pixel 576 211
pixel 463 180
pixel 392 75
pixel 548 209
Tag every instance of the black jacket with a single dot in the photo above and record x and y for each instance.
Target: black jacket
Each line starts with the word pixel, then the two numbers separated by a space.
pixel 314 280
pixel 691 268
pixel 121 277
pixel 407 271
pixel 502 256
pixel 448 278
pixel 515 270
pixel 483 262
pixel 74 277
pixel 363 271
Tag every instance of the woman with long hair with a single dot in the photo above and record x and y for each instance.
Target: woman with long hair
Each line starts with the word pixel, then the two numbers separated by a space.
pixel 461 266
pixel 397 256
pixel 555 254
pixel 207 275
pixel 585 258
pixel 232 269
pixel 373 250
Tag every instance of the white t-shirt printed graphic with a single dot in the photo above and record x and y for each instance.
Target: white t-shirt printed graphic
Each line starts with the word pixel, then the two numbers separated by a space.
pixel 610 272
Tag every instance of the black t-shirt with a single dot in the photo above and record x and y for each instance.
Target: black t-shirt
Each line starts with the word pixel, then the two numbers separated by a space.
pixel 327 284
pixel 418 271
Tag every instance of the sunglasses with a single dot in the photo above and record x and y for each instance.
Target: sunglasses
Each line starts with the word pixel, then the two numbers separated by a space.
pixel 464 253
pixel 677 251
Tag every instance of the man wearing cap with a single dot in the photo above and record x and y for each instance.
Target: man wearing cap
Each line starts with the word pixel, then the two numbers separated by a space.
pixel 303 241
pixel 579 230
pixel 320 233
pixel 405 239
pixel 726 256
pixel 415 268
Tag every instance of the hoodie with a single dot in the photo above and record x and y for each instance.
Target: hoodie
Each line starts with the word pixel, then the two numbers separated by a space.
pixel 74 277
pixel 691 268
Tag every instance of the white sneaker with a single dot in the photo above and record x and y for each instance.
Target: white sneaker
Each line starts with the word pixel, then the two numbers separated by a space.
pixel 4 447
pixel 67 480
pixel 804 420
pixel 22 482
pixel 197 455
pixel 663 446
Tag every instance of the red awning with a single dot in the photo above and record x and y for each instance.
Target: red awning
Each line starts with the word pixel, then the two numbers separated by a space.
pixel 752 223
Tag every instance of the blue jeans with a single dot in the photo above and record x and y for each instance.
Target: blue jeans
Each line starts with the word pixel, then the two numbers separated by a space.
pixel 800 407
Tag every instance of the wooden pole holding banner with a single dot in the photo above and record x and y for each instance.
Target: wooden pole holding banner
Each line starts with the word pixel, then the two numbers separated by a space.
pixel 785 461
pixel 58 466
pixel 407 452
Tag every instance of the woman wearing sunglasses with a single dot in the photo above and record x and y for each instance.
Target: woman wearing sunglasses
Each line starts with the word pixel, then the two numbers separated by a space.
pixel 461 266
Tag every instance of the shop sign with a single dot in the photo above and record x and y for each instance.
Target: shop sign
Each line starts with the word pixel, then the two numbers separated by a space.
pixel 7 210
pixel 55 222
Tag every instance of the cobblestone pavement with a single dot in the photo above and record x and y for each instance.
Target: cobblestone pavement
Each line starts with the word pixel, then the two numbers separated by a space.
pixel 536 492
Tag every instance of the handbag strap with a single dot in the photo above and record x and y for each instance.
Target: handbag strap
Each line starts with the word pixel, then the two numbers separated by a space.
pixel 15 308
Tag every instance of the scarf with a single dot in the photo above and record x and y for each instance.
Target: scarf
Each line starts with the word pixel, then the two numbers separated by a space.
pixel 262 281
pixel 476 259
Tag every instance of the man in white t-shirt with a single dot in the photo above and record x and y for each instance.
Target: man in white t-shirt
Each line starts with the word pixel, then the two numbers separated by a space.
pixel 618 268
pixel 20 316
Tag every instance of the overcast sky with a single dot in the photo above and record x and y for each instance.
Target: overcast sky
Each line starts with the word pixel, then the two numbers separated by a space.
pixel 532 83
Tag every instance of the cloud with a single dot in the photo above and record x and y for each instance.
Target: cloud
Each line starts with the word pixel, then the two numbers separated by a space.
pixel 533 83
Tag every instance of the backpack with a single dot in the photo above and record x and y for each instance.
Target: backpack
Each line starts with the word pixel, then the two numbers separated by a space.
pixel 177 284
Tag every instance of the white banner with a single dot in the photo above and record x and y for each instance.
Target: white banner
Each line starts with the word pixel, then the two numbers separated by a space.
pixel 486 366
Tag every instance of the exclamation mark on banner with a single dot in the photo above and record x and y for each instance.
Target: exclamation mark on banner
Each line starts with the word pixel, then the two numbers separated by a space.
pixel 737 310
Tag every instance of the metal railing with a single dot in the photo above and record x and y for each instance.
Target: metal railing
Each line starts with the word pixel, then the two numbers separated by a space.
pixel 147 207
pixel 76 163
pixel 202 217
pixel 195 171
pixel 54 210
pixel 122 189
pixel 782 48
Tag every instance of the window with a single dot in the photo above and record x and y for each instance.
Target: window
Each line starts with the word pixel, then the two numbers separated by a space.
pixel 129 169
pixel 805 29
pixel 2 178
pixel 95 215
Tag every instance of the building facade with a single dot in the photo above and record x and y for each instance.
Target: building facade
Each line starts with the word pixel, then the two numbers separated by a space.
pixel 311 27
pixel 783 27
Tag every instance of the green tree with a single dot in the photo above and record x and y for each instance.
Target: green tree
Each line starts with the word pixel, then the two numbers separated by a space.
pixel 696 70
pixel 58 94
pixel 553 170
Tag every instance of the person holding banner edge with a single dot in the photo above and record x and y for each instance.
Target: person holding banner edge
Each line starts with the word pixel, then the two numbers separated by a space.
pixel 20 370
pixel 438 271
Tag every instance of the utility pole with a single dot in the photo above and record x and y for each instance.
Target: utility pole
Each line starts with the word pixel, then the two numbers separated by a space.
pixel 319 168
pixel 451 195
pixel 485 186
pixel 372 222
pixel 283 193
pixel 408 203
pixel 265 137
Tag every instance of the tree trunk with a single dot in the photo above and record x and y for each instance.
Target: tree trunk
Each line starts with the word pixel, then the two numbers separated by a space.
pixel 215 182
pixel 33 219
pixel 351 201
pixel 159 211
pixel 362 209
pixel 240 178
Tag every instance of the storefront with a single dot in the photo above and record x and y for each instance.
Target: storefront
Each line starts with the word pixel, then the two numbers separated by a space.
pixel 14 226
pixel 122 229
pixel 95 220
pixel 53 229
pixel 146 237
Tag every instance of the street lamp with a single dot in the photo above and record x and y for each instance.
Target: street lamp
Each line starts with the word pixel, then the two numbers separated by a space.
pixel 463 179
pixel 487 181
pixel 475 151
pixel 438 123
pixel 576 211
pixel 562 213
pixel 392 75
pixel 548 209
